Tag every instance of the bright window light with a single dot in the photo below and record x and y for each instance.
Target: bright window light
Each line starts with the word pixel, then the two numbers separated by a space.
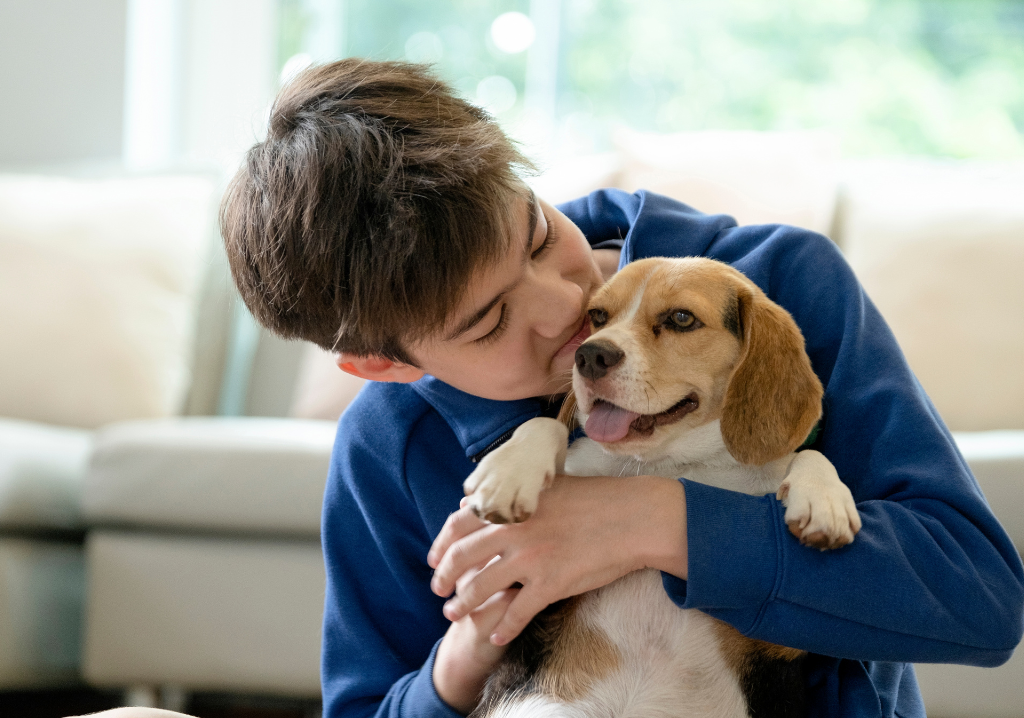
pixel 496 94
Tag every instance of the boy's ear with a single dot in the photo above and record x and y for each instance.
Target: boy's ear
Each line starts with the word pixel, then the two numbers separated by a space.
pixel 377 368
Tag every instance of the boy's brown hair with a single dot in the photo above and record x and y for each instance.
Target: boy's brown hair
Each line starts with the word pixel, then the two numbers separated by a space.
pixel 357 223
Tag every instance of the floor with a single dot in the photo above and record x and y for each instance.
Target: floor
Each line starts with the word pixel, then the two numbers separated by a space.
pixel 81 701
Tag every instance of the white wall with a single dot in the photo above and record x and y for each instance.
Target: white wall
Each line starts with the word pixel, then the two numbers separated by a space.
pixel 61 80
pixel 193 90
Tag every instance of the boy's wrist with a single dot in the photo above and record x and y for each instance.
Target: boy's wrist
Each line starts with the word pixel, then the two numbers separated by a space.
pixel 459 675
pixel 665 547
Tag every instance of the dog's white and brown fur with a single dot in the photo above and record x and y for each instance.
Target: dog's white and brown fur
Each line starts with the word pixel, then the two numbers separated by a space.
pixel 715 385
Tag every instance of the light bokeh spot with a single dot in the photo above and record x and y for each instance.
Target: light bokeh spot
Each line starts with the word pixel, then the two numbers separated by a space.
pixel 512 32
pixel 496 94
pixel 424 47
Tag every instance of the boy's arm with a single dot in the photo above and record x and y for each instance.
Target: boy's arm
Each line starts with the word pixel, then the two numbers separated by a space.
pixel 382 626
pixel 931 577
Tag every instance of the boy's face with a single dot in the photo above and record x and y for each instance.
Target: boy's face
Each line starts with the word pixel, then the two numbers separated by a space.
pixel 516 330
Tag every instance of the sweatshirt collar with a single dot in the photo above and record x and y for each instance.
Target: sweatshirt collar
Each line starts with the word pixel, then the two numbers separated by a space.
pixel 477 422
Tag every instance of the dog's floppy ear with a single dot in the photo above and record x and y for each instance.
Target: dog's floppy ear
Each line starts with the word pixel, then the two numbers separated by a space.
pixel 774 397
pixel 567 414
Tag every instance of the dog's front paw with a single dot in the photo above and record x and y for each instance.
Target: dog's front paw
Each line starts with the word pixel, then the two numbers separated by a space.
pixel 820 510
pixel 506 486
pixel 498 494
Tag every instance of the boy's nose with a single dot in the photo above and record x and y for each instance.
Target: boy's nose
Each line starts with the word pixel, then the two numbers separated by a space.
pixel 558 305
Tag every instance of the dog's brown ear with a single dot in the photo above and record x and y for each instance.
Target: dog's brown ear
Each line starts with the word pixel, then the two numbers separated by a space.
pixel 567 414
pixel 774 397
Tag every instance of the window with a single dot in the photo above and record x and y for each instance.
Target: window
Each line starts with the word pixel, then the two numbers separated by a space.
pixel 928 77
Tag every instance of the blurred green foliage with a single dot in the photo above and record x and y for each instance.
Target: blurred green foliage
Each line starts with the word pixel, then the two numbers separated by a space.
pixel 932 77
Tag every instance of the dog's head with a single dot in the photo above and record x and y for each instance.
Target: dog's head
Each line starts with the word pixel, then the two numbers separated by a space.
pixel 680 343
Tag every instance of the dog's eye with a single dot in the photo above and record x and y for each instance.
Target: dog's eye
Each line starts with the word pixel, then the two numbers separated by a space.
pixel 598 317
pixel 681 320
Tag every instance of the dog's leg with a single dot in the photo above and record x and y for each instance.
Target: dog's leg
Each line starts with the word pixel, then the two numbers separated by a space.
pixel 819 507
pixel 505 486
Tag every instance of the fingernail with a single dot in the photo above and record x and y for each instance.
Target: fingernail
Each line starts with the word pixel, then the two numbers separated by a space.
pixel 431 560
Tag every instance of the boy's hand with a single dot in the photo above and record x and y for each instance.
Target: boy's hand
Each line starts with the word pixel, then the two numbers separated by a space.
pixel 586 533
pixel 466 657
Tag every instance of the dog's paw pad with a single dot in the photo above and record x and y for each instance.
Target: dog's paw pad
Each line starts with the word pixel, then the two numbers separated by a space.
pixel 498 509
pixel 822 540
pixel 820 519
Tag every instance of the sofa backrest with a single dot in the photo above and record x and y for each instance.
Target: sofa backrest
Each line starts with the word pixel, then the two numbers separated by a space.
pixel 100 286
pixel 939 248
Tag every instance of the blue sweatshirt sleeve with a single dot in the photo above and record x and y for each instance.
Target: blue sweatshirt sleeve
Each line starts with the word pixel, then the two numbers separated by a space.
pixel 382 624
pixel 932 576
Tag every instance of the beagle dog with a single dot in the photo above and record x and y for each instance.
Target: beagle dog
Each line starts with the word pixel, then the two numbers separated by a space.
pixel 690 371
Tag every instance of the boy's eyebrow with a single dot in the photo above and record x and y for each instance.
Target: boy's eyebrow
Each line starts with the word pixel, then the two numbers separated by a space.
pixel 473 320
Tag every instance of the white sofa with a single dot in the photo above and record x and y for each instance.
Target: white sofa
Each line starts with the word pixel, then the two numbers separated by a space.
pixel 99 297
pixel 201 554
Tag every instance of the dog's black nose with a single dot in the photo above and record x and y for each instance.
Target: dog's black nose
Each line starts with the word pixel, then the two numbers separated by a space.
pixel 594 359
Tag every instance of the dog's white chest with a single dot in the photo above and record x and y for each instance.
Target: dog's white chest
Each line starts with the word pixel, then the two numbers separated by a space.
pixel 671 665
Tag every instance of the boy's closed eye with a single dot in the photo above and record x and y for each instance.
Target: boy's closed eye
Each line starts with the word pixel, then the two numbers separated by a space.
pixel 548 239
pixel 498 330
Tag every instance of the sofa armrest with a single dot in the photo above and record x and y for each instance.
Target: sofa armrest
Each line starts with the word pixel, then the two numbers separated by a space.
pixel 997 460
pixel 210 474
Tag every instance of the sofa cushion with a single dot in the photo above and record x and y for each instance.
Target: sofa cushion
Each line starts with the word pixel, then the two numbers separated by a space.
pixel 248 475
pixel 41 473
pixel 204 613
pixel 939 248
pixel 98 281
pixel 757 177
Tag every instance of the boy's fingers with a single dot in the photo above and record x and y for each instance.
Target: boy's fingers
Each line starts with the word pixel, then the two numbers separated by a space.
pixel 461 556
pixel 518 615
pixel 489 581
pixel 486 617
pixel 459 524
pixel 470 573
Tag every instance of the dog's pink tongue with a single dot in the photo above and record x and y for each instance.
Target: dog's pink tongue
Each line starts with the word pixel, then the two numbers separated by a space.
pixel 608 422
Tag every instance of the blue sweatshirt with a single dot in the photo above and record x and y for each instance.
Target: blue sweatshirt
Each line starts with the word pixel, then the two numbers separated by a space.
pixel 931 577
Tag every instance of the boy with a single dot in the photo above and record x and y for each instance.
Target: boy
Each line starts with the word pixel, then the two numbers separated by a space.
pixel 382 219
